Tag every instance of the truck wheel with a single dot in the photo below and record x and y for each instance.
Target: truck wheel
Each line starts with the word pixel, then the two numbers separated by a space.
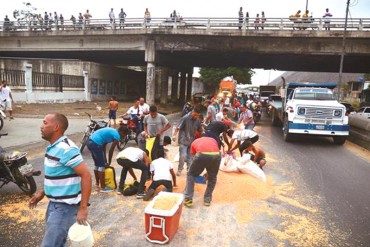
pixel 339 140
pixel 274 119
pixel 287 135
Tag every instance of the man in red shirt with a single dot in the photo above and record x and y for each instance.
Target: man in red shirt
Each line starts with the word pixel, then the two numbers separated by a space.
pixel 206 156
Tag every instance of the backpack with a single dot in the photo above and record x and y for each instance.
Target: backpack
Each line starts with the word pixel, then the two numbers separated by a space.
pixel 131 189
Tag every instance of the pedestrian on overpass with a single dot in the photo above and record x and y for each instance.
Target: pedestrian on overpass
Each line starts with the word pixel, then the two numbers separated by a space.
pixel 67 182
pixel 111 16
pixel 327 16
pixel 241 17
pixel 122 15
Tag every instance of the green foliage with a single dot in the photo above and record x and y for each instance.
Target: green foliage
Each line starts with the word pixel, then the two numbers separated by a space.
pixel 213 76
pixel 367 77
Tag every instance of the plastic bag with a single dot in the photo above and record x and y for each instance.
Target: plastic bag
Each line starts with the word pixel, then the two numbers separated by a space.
pixel 228 164
pixel 249 167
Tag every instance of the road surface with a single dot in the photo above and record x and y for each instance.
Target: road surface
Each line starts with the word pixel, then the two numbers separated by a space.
pixel 316 194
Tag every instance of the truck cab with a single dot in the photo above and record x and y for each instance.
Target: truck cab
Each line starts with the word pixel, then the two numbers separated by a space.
pixel 312 109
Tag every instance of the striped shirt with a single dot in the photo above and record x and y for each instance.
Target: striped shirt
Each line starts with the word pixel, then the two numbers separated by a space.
pixel 62 184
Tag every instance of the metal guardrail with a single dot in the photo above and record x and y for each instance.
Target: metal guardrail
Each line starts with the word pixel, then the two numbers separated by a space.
pixel 354 24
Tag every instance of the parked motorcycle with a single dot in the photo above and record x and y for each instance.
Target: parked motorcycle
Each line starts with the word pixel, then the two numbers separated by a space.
pixel 93 126
pixel 2 115
pixel 15 168
pixel 132 133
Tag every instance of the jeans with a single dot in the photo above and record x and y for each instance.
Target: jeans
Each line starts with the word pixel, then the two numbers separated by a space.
pixel 184 151
pixel 200 162
pixel 97 154
pixel 59 218
pixel 126 165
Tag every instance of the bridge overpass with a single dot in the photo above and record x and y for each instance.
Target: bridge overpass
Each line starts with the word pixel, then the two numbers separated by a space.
pixel 183 44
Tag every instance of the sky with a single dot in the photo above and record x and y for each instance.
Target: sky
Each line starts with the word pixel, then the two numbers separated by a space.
pixel 99 9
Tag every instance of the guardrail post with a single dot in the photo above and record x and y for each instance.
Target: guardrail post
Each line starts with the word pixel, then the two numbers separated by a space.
pixel 360 25
pixel 320 24
pixel 281 24
pixel 175 22
pixel 209 23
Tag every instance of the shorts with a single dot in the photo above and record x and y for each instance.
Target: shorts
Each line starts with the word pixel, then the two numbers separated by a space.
pixel 112 114
pixel 7 104
pixel 97 154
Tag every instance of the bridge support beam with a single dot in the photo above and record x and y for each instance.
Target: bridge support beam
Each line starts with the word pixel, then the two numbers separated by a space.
pixel 182 86
pixel 164 86
pixel 174 86
pixel 150 72
pixel 189 84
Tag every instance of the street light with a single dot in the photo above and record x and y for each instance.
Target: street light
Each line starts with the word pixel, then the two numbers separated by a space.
pixel 306 5
pixel 340 96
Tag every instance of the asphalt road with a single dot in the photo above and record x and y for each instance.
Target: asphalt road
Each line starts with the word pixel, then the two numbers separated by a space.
pixel 317 194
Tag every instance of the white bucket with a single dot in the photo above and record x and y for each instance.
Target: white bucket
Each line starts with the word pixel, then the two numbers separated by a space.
pixel 80 235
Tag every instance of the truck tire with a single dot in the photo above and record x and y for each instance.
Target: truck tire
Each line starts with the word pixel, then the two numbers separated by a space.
pixel 274 119
pixel 339 140
pixel 287 135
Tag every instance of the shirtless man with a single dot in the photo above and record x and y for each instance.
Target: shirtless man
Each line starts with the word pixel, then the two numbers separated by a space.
pixel 258 155
pixel 113 107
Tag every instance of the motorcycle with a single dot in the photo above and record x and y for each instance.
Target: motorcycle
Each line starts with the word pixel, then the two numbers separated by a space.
pixel 132 133
pixel 15 168
pixel 93 126
pixel 2 115
pixel 257 113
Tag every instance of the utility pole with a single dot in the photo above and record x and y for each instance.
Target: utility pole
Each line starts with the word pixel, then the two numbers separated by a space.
pixel 341 96
pixel 306 5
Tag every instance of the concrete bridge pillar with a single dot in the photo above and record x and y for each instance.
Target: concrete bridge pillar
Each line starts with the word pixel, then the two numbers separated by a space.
pixel 158 83
pixel 86 85
pixel 164 86
pixel 174 86
pixel 189 84
pixel 28 83
pixel 150 72
pixel 182 86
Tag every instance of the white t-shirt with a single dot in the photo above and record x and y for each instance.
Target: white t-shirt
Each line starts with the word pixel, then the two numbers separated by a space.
pixel 220 116
pixel 161 168
pixel 144 108
pixel 131 153
pixel 227 101
pixel 134 111
pixel 4 93
pixel 242 135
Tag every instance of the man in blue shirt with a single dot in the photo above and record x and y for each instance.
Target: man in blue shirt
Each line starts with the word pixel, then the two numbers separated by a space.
pixel 97 145
pixel 67 182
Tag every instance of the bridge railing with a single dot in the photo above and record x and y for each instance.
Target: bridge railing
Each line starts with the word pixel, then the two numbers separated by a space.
pixel 354 24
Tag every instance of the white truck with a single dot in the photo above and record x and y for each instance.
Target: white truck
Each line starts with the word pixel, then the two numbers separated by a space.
pixel 310 109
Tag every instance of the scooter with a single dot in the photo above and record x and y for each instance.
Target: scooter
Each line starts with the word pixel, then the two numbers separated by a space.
pixel 15 168
pixel 93 126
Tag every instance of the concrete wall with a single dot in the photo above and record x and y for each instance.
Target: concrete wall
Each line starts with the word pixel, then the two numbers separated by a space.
pixel 125 84
pixel 360 131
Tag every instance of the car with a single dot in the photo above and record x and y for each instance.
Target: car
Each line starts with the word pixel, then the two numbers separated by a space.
pixel 349 107
pixel 364 112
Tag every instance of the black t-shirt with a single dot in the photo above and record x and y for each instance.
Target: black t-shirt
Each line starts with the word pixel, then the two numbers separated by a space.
pixel 217 127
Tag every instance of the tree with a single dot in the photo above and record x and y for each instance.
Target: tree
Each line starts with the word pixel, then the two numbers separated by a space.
pixel 213 76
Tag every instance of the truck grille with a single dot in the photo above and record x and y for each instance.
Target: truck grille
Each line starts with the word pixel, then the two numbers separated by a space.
pixel 321 113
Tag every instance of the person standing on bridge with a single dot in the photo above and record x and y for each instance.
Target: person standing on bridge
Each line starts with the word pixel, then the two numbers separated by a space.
pixel 327 17
pixel 87 17
pixel 67 182
pixel 257 22
pixel 147 17
pixel 263 19
pixel 241 17
pixel 111 16
pixel 122 15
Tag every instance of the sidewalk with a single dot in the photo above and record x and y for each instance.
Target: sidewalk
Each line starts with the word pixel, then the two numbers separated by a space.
pixel 98 109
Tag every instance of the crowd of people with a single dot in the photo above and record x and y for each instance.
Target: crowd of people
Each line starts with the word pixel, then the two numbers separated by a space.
pixel 68 182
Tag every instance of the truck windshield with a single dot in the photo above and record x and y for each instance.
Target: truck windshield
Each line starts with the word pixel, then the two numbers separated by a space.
pixel 314 94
